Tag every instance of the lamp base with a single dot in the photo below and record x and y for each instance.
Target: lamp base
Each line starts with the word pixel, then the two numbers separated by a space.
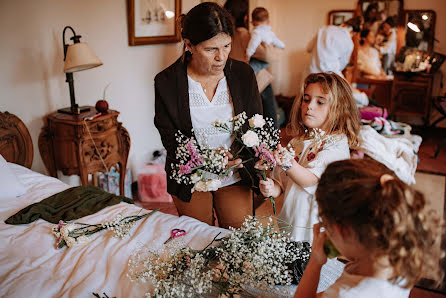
pixel 76 110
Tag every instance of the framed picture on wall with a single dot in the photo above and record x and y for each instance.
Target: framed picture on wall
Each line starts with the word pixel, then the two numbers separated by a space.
pixel 153 21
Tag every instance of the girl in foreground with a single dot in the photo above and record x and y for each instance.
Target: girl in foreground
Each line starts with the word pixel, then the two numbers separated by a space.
pixel 379 224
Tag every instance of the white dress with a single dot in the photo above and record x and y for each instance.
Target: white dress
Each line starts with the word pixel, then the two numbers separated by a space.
pixel 300 212
pixel 354 286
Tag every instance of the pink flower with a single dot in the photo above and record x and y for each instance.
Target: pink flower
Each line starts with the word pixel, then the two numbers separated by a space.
pixel 185 169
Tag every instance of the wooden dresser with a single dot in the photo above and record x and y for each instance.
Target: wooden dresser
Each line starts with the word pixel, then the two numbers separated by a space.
pixel 77 147
pixel 411 95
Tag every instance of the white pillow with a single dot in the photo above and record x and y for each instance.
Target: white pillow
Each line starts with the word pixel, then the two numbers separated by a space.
pixel 10 185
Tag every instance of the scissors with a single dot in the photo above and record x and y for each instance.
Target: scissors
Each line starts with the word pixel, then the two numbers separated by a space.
pixel 174 234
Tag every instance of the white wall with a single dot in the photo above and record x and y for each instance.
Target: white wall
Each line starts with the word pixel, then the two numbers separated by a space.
pixel 32 82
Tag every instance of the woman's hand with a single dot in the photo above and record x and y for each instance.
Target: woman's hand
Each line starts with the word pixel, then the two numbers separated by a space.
pixel 236 163
pixel 317 251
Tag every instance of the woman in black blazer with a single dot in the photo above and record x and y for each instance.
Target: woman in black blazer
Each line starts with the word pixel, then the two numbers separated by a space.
pixel 203 85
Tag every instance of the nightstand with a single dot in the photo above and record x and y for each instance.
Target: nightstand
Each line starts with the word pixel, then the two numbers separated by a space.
pixel 77 147
pixel 411 95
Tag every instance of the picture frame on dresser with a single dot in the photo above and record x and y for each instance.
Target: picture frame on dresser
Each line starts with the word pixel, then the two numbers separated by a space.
pixel 153 22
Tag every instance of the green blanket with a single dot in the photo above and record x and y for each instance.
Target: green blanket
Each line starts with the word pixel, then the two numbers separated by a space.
pixel 69 204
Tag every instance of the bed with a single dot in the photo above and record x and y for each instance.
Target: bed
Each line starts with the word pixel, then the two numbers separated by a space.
pixel 30 264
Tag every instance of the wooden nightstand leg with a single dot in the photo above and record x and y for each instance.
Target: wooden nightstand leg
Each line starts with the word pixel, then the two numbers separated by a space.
pixel 84 177
pixel 122 171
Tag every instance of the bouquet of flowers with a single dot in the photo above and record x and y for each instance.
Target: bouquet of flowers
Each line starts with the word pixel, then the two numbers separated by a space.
pixel 69 234
pixel 260 140
pixel 202 167
pixel 253 256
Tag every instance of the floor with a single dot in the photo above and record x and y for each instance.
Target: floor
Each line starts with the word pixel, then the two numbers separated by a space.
pixel 427 164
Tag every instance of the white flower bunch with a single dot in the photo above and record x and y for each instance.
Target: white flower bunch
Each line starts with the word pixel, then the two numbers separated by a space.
pixel 70 234
pixel 286 155
pixel 320 136
pixel 196 163
pixel 251 256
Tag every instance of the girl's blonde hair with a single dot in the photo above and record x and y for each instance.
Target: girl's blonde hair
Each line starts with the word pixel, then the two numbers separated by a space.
pixel 388 216
pixel 343 115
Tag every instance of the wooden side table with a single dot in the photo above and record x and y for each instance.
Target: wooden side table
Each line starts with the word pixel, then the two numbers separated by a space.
pixel 411 95
pixel 66 144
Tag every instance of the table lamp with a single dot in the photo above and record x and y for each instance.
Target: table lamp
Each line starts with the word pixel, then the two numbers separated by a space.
pixel 77 56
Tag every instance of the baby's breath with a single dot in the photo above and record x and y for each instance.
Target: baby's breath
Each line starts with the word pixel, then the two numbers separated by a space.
pixel 70 234
pixel 251 256
pixel 196 162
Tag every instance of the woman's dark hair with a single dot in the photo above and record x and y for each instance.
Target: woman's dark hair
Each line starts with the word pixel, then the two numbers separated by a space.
pixel 364 33
pixel 355 23
pixel 368 11
pixel 205 21
pixel 239 10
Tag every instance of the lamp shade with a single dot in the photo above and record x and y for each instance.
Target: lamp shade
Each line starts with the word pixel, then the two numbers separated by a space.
pixel 80 57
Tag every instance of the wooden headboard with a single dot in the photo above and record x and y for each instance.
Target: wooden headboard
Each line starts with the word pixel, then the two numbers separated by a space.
pixel 15 141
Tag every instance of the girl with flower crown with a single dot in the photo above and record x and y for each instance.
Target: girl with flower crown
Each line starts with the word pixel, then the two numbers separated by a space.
pixel 325 123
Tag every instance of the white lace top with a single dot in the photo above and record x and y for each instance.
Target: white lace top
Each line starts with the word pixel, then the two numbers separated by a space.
pixel 203 112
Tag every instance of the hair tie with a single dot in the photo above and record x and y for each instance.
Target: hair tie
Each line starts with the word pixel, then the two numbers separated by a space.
pixel 385 178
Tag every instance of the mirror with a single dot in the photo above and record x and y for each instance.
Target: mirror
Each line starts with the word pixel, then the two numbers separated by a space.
pixel 338 17
pixel 420 29
pixel 378 40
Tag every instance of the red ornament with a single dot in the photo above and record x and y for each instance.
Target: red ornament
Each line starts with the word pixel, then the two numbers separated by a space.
pixel 102 106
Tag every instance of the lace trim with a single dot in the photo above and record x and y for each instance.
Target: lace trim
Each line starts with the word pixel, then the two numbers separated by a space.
pixel 197 99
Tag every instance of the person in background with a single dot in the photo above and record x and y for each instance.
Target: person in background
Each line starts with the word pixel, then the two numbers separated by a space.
pixel 332 47
pixel 380 225
pixel 325 124
pixel 386 43
pixel 202 86
pixel 369 61
pixel 239 10
pixel 261 33
pixel 371 16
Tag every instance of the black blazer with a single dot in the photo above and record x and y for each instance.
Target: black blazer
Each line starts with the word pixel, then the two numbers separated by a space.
pixel 172 111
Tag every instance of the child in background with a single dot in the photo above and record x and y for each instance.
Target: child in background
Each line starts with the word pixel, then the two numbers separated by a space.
pixel 325 122
pixel 379 224
pixel 261 33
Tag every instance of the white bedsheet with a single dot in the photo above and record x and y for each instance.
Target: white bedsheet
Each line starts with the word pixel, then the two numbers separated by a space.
pixel 30 266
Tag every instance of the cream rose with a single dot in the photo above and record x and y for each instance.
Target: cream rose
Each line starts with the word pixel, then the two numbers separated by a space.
pixel 257 121
pixel 250 139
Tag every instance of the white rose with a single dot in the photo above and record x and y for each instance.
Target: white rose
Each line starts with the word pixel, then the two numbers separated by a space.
pixel 195 178
pixel 250 139
pixel 199 186
pixel 213 184
pixel 257 121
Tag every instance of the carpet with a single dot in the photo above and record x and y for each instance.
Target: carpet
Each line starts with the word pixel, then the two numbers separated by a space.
pixel 431 139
